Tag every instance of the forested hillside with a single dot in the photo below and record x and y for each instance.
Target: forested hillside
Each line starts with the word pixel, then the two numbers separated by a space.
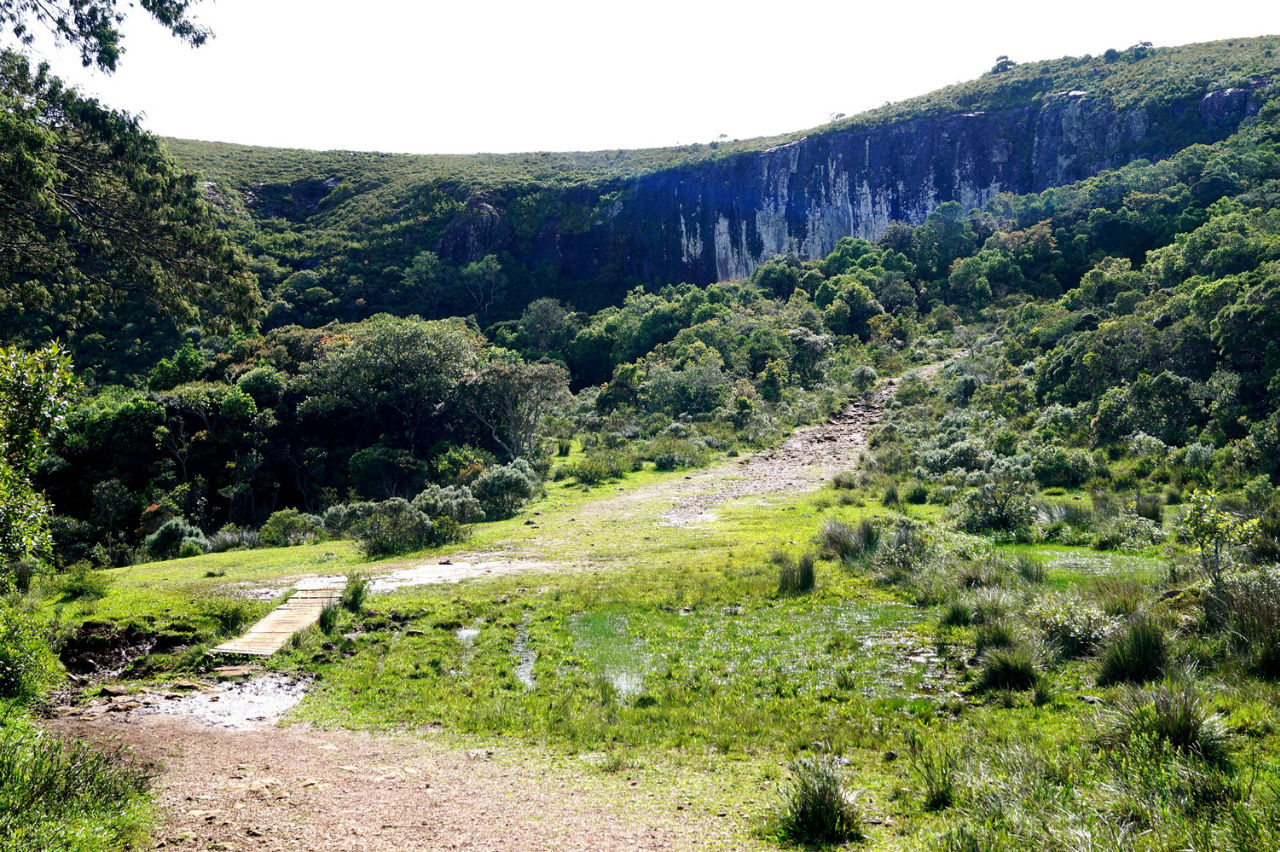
pixel 397 233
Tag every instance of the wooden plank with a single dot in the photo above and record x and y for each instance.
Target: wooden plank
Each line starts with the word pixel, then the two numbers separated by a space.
pixel 299 612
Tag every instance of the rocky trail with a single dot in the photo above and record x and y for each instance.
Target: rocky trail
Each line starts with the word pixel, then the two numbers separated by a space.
pixel 230 778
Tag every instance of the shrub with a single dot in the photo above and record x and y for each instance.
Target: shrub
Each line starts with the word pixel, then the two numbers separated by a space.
pixel 343 518
pixel 601 466
pixel 1171 712
pixel 816 806
pixel 1149 506
pixel 863 377
pixel 25 660
pixel 917 493
pixel 1058 466
pixel 1072 628
pixel 504 489
pixel 890 496
pixel 288 527
pixel 395 527
pixel 354 593
pixel 452 501
pixel 795 576
pixel 233 538
pixel 1136 654
pixel 668 452
pixel 998 506
pixel 168 539
pixel 1011 668
pixel 845 480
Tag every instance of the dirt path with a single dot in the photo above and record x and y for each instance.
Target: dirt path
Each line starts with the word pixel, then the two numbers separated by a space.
pixel 299 788
pixel 801 463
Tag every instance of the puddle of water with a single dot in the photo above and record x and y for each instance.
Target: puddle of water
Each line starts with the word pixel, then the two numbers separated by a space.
pixel 244 705
pixel 623 660
pixel 467 636
pixel 525 656
pixel 254 592
pixel 452 572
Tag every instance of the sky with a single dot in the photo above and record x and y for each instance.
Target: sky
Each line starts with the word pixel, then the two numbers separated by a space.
pixel 557 75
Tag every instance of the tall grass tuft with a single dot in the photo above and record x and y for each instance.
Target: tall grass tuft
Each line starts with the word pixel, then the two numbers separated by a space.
pixel 1012 668
pixel 795 576
pixel 1175 713
pixel 52 789
pixel 1118 596
pixel 354 593
pixel 1136 654
pixel 838 540
pixel 329 619
pixel 936 768
pixel 816 806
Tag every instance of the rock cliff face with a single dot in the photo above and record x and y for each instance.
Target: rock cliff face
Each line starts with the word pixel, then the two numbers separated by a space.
pixel 720 219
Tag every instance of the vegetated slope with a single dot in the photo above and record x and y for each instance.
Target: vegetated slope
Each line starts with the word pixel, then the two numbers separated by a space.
pixel 585 227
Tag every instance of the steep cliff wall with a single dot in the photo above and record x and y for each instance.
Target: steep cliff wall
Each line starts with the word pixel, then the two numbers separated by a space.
pixel 720 219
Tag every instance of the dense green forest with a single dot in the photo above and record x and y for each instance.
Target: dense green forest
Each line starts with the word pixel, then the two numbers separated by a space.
pixel 1106 378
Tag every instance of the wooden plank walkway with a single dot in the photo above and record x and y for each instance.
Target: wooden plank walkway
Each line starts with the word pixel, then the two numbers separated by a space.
pixel 302 610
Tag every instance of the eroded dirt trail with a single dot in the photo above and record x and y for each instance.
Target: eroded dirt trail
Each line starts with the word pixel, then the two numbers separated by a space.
pixel 299 788
pixel 802 462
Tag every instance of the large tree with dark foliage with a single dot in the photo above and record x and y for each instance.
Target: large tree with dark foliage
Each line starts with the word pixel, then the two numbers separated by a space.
pixel 93 26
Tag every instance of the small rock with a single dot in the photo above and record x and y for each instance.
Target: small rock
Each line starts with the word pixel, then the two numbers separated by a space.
pixel 124 706
pixel 114 690
pixel 480 754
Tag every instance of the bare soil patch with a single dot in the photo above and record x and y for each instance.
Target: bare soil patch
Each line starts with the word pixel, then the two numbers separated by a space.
pixel 301 788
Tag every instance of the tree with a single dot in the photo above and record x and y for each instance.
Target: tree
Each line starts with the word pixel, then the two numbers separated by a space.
pixel 485 282
pixel 399 372
pixel 511 399
pixel 35 393
pixel 93 26
pixel 1214 533
pixel 92 210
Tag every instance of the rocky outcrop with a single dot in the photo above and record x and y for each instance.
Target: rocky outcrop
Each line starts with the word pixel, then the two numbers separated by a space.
pixel 719 219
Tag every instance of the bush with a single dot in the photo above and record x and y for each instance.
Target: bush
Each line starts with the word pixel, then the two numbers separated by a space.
pixel 1012 668
pixel 917 494
pixel 453 501
pixel 795 576
pixel 395 527
pixel 997 506
pixel 504 489
pixel 25 660
pixel 601 466
pixel 233 538
pixel 816 806
pixel 1059 467
pixel 668 452
pixel 845 480
pixel 863 377
pixel 288 527
pixel 167 540
pixel 343 518
pixel 901 552
pixel 1071 627
pixel 1136 654
pixel 1172 712
pixel 354 593
pixel 1149 506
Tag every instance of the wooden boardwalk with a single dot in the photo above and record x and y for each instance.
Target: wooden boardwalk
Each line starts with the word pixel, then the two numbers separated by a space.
pixel 302 610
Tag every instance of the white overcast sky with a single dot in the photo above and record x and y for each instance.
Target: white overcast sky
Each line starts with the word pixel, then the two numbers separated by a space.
pixel 498 75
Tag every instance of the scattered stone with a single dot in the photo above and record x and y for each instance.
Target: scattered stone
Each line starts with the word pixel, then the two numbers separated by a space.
pixel 480 754
pixel 114 690
pixel 235 672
